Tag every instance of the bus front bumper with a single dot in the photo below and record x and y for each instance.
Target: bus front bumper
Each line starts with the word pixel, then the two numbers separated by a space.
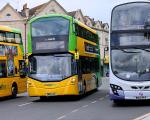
pixel 67 90
pixel 131 95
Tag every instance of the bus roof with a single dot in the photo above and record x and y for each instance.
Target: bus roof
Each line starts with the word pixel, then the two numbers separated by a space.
pixel 85 26
pixel 49 15
pixel 9 29
pixel 65 16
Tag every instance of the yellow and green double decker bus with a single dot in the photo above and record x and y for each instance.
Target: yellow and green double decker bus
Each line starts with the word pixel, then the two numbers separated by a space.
pixel 12 64
pixel 64 57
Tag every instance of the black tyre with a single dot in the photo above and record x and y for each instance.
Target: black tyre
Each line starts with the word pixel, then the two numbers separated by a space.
pixel 107 74
pixel 84 88
pixel 43 98
pixel 117 102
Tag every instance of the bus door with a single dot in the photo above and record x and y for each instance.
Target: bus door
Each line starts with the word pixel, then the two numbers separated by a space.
pixel 80 81
pixel 22 73
pixel 3 77
pixel 10 73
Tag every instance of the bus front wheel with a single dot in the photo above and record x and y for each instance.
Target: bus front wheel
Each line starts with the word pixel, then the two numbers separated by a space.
pixel 118 102
pixel 43 98
pixel 84 88
pixel 14 90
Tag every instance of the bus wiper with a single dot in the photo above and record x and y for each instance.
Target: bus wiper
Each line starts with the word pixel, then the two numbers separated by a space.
pixel 123 50
pixel 144 72
pixel 145 49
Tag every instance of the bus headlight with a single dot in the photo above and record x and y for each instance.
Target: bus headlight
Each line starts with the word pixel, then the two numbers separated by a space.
pixel 73 80
pixel 117 90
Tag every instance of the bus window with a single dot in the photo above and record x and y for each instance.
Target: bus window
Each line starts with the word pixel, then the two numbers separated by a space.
pixel 10 37
pixel 3 71
pixel 11 67
pixel 2 38
pixel 17 38
pixel 2 50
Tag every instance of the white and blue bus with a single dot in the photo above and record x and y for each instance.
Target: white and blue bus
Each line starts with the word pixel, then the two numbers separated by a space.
pixel 130 52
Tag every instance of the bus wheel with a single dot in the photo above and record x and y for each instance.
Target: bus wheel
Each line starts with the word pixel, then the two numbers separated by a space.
pixel 117 102
pixel 14 90
pixel 43 97
pixel 84 88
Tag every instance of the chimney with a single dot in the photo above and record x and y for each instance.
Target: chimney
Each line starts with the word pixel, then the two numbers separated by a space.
pixel 26 10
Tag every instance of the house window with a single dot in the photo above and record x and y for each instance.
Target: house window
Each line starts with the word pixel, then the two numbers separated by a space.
pixel 106 39
pixel 8 15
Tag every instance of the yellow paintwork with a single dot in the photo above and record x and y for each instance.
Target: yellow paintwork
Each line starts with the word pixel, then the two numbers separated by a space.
pixel 5 28
pixel 6 83
pixel 65 87
pixel 86 27
pixel 90 81
pixel 81 47
pixel 106 59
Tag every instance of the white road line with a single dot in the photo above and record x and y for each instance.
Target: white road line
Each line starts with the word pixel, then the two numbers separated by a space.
pixel 94 102
pixel 85 106
pixel 143 117
pixel 75 110
pixel 25 104
pixel 102 98
pixel 61 117
pixel 107 95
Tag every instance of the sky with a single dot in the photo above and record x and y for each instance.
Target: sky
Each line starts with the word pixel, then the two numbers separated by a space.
pixel 97 9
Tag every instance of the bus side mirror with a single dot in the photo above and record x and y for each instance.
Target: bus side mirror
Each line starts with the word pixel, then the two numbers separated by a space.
pixel 22 69
pixel 74 28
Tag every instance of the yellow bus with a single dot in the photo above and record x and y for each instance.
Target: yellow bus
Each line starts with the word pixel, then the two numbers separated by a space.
pixel 12 64
pixel 64 57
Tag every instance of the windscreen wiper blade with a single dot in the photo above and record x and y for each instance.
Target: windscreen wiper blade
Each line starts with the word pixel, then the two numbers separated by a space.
pixel 145 49
pixel 123 50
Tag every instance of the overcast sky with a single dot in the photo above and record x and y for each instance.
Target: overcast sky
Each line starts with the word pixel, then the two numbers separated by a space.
pixel 97 9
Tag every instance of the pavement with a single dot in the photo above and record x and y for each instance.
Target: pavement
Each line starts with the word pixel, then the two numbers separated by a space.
pixel 144 117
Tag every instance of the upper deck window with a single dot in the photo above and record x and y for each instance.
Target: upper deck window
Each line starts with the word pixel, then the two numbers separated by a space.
pixel 10 37
pixel 50 26
pixel 86 34
pixel 17 38
pixel 50 34
pixel 131 16
pixel 2 36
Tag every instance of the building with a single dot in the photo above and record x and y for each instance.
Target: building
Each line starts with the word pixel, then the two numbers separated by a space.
pixel 18 19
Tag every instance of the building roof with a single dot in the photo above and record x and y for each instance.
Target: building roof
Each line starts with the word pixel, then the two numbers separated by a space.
pixel 33 10
pixel 72 13
pixel 38 8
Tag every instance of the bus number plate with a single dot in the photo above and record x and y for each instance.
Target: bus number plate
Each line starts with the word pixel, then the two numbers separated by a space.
pixel 50 94
pixel 140 97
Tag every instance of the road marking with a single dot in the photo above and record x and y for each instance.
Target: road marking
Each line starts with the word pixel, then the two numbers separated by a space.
pixel 85 106
pixel 107 96
pixel 102 98
pixel 94 102
pixel 25 104
pixel 75 110
pixel 142 117
pixel 61 117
